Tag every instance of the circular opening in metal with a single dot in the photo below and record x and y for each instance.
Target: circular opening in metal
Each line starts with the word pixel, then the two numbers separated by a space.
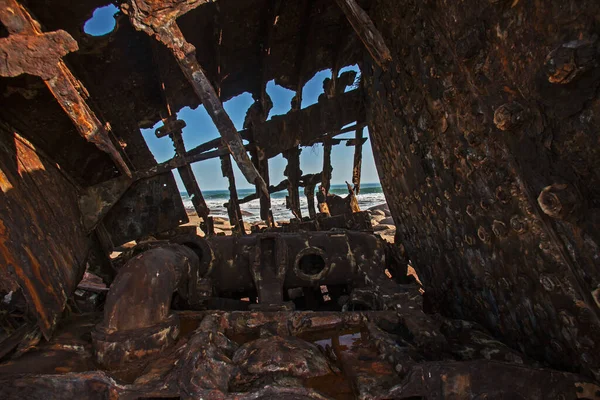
pixel 311 264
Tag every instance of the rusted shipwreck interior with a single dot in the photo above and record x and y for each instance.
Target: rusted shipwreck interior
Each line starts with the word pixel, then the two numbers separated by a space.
pixel 484 121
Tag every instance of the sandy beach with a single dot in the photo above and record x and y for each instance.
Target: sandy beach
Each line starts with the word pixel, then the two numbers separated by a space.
pixel 383 224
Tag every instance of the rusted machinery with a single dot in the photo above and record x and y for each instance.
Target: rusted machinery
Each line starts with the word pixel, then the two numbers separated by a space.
pixel 141 348
pixel 483 117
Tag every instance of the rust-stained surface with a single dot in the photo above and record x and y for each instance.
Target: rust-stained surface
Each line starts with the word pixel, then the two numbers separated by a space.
pixel 39 253
pixel 147 207
pixel 27 50
pixel 485 136
pixel 483 117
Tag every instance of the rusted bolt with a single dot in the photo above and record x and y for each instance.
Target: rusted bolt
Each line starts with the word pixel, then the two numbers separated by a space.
pixel 596 296
pixel 518 225
pixel 509 116
pixel 515 191
pixel 547 283
pixel 571 60
pixel 431 209
pixel 502 195
pixel 559 200
pixel 486 204
pixel 499 228
pixel 469 240
pixel 484 235
pixel 470 210
pixel 472 138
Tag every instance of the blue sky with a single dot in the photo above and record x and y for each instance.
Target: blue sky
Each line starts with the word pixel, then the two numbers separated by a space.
pixel 200 129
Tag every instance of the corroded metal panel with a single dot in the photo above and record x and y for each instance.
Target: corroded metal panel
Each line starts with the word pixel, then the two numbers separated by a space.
pixel 42 242
pixel 485 132
pixel 149 206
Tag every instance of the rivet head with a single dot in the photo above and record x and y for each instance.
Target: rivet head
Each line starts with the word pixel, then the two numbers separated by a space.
pixel 499 228
pixel 559 200
pixel 469 240
pixel 485 204
pixel 470 210
pixel 547 283
pixel 518 224
pixel 502 195
pixel 571 60
pixel 484 235
pixel 509 116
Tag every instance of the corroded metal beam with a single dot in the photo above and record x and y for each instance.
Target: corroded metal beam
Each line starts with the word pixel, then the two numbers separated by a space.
pixel 310 181
pixel 233 206
pixel 293 173
pixel 309 125
pixel 28 50
pixel 327 168
pixel 366 31
pixel 158 19
pixel 356 170
pixel 185 172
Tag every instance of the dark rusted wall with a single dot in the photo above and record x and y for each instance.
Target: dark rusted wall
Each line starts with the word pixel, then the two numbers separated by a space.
pixel 42 243
pixel 149 206
pixel 475 116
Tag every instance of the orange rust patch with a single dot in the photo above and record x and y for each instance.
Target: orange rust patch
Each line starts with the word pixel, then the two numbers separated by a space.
pixel 35 264
pixel 5 184
pixel 457 387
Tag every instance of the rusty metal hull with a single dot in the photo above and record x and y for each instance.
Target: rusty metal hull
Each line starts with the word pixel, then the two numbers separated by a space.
pixel 485 166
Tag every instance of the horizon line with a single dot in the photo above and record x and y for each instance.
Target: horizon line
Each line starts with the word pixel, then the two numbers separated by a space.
pixel 246 188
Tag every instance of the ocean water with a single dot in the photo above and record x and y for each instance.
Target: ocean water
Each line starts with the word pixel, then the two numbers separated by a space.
pixel 370 195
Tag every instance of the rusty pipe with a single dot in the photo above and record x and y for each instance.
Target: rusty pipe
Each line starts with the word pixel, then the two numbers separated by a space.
pixel 138 322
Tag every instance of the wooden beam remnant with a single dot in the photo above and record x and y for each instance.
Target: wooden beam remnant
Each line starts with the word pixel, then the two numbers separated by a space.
pixel 28 50
pixel 233 206
pixel 160 21
pixel 293 173
pixel 356 169
pixel 366 31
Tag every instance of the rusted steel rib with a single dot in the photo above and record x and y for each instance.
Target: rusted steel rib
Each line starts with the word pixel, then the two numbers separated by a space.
pixel 310 181
pixel 293 173
pixel 356 170
pixel 233 207
pixel 366 31
pixel 272 189
pixel 28 50
pixel 174 130
pixel 158 19
pixel 327 168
